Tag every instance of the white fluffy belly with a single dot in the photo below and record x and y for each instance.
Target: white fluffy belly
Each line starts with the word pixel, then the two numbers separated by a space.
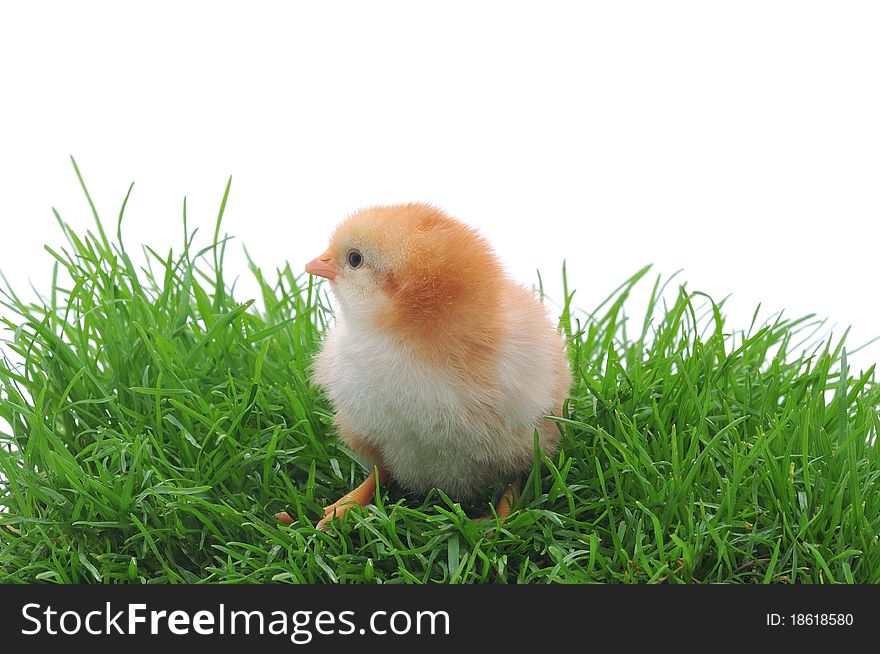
pixel 426 424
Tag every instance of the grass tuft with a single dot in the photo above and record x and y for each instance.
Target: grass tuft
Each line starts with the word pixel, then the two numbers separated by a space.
pixel 152 424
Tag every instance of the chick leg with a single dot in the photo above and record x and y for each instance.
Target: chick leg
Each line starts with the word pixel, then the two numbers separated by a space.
pixel 360 496
pixel 505 505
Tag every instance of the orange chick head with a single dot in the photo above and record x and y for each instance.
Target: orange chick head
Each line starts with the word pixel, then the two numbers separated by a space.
pixel 408 263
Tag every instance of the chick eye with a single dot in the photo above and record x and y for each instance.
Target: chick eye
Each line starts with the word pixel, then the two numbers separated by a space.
pixel 355 259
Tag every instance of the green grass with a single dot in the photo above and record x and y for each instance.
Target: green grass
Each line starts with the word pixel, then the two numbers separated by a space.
pixel 154 423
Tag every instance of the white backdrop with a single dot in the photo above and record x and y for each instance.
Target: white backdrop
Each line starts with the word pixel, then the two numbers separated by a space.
pixel 738 141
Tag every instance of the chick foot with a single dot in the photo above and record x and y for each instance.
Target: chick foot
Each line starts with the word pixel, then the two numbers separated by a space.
pixel 284 518
pixel 360 496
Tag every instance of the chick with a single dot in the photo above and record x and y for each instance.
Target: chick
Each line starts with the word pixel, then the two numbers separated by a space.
pixel 439 366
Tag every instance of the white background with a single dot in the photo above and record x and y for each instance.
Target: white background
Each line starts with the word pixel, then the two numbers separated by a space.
pixel 738 141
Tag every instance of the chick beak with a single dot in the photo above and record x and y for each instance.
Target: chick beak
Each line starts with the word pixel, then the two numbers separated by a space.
pixel 323 266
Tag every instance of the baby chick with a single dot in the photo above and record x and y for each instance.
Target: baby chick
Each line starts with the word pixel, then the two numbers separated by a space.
pixel 439 366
